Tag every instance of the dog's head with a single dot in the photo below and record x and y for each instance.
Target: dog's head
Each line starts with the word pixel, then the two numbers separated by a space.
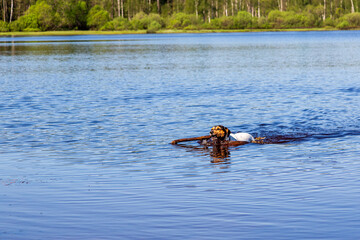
pixel 219 133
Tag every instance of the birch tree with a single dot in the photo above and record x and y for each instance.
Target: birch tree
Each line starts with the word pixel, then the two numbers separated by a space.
pixel 352 6
pixel 196 2
pixel 4 3
pixel 122 8
pixel 11 10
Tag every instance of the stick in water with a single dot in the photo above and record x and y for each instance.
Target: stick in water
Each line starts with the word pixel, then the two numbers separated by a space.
pixel 190 139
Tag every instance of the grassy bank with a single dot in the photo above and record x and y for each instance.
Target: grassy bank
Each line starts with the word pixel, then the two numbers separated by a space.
pixel 164 31
pixel 245 30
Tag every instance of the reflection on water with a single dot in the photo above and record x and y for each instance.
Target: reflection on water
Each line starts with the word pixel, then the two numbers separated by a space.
pixel 86 123
pixel 218 154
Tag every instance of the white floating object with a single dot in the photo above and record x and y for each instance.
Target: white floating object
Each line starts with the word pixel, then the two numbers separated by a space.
pixel 243 137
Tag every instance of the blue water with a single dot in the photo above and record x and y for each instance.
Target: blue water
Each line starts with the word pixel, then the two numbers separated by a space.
pixel 86 122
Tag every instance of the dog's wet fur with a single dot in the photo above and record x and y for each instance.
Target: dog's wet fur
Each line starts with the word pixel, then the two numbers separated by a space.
pixel 219 135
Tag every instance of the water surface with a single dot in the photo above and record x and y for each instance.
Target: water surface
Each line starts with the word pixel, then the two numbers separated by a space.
pixel 86 123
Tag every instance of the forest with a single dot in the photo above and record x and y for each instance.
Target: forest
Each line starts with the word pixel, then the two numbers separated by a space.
pixel 154 15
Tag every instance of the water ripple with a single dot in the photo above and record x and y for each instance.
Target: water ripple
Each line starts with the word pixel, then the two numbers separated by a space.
pixel 86 124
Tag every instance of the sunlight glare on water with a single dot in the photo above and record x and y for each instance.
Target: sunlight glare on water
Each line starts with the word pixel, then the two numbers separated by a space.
pixel 86 123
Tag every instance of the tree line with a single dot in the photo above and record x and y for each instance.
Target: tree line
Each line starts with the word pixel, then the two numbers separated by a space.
pixel 152 15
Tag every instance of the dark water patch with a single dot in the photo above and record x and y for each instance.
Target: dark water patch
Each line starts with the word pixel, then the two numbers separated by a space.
pixel 278 137
pixel 351 90
pixel 18 125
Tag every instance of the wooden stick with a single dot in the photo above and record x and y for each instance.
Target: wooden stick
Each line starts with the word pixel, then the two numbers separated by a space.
pixel 190 139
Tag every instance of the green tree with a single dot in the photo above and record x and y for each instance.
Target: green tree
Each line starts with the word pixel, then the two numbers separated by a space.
pixel 72 14
pixel 4 27
pixel 243 20
pixel 44 14
pixel 39 17
pixel 353 19
pixel 350 20
pixel 153 27
pixel 97 17
pixel 28 22
pixel 143 21
pixel 182 20
pixel 117 24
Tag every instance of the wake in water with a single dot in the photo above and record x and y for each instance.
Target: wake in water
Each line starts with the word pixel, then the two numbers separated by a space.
pixel 218 143
pixel 306 134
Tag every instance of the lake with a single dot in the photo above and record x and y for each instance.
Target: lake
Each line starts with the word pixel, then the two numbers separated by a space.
pixel 87 121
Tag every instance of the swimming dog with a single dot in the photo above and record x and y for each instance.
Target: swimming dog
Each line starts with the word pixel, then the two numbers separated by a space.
pixel 222 136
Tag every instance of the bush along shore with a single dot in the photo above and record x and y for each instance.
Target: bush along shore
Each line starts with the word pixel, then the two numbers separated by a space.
pixel 80 15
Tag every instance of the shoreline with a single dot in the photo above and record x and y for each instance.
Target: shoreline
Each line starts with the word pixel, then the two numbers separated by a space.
pixel 164 31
